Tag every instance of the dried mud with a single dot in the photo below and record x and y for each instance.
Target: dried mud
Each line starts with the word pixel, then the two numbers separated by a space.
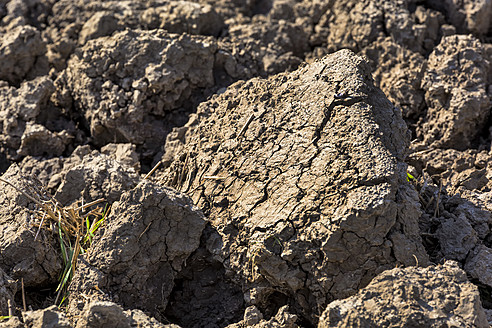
pixel 314 158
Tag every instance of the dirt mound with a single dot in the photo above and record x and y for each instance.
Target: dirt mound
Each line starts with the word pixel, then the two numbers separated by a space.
pixel 254 318
pixel 399 76
pixel 107 314
pixel 45 317
pixel 96 176
pixel 264 158
pixel 457 218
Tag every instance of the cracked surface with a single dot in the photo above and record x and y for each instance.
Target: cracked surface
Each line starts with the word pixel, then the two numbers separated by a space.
pixel 313 180
pixel 150 233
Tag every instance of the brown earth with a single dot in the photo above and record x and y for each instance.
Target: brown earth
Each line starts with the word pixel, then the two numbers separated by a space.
pixel 285 131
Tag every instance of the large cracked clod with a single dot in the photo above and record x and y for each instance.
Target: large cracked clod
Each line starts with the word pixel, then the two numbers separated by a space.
pixel 150 233
pixel 303 176
pixel 455 85
pixel 129 86
pixel 436 296
pixel 22 255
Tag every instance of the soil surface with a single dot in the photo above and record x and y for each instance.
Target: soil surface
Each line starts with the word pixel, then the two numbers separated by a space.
pixel 318 163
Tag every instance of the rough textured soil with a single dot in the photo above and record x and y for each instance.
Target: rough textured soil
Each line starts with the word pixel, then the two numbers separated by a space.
pixel 321 163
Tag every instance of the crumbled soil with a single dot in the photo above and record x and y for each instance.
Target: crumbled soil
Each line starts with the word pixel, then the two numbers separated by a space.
pixel 311 154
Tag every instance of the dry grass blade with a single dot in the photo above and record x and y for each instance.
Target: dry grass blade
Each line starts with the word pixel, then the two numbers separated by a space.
pixel 23 295
pixel 245 126
pixel 153 170
pixel 11 307
pixel 83 207
pixel 40 225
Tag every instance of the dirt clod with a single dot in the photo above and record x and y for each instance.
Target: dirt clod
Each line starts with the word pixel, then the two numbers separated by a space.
pixel 20 51
pixel 266 183
pixel 456 93
pixel 160 229
pixel 397 298
pixel 22 255
pixel 49 317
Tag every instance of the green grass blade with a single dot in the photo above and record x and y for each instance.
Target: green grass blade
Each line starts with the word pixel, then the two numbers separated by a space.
pixel 65 279
pixel 97 225
pixel 62 245
pixel 66 271
pixel 63 299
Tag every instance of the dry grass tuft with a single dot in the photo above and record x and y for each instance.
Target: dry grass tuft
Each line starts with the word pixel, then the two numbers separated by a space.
pixel 74 226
